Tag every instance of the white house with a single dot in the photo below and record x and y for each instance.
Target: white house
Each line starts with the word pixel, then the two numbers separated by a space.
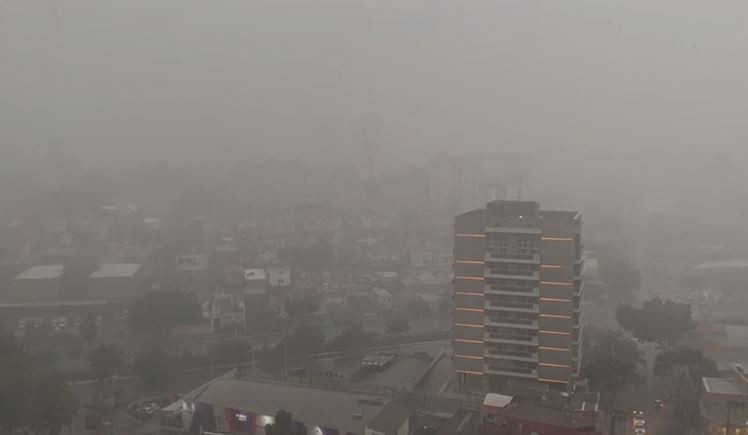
pixel 382 297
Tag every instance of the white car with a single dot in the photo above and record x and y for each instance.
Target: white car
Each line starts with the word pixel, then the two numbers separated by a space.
pixel 640 431
pixel 639 422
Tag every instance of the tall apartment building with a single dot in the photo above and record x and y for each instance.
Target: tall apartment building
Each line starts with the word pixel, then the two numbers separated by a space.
pixel 517 293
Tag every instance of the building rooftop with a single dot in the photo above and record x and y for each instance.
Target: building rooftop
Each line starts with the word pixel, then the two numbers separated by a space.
pixel 725 264
pixel 721 386
pixel 311 406
pixel 116 270
pixel 495 400
pixel 382 293
pixel 551 416
pixel 47 271
pixel 255 274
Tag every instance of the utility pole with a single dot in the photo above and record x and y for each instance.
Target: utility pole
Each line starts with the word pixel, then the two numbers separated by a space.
pixel 253 362
pixel 285 359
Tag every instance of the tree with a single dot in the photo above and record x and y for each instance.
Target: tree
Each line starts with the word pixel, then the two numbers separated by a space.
pixel 231 352
pixel 88 329
pixel 658 321
pixel 418 309
pixel 398 323
pixel 619 272
pixel 33 398
pixel 693 360
pixel 612 364
pixel 156 370
pixel 281 425
pixel 305 340
pixel 106 360
pixel 302 306
pixel 353 337
pixel 158 311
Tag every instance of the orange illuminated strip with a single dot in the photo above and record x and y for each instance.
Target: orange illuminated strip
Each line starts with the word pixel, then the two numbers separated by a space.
pixel 563 366
pixel 545 331
pixel 557 239
pixel 469 293
pixel 474 278
pixel 556 283
pixel 469 309
pixel 555 381
pixel 555 300
pixel 556 349
pixel 469 262
pixel 469 372
pixel 469 325
pixel 481 236
pixel 468 357
pixel 550 266
pixel 462 340
pixel 555 316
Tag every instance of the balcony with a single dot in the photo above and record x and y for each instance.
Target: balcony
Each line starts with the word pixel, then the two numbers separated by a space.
pixel 511 355
pixel 513 230
pixel 507 257
pixel 511 371
pixel 495 337
pixel 517 307
pixel 512 291
pixel 510 322
pixel 512 274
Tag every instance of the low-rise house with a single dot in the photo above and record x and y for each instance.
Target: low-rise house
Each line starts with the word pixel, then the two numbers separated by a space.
pixel 115 282
pixel 279 276
pixel 227 312
pixel 724 402
pixel 36 284
pixel 552 413
pixel 382 298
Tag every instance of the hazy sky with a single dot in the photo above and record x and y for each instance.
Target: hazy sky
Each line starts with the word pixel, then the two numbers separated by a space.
pixel 139 79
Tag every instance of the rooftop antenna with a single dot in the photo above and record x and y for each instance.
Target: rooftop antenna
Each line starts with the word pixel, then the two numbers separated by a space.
pixel 520 181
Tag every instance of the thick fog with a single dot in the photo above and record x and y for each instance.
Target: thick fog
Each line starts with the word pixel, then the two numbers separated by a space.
pixel 187 80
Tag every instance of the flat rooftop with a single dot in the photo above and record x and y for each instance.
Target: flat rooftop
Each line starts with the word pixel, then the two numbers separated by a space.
pixel 47 271
pixel 721 386
pixel 116 270
pixel 311 406
pixel 725 264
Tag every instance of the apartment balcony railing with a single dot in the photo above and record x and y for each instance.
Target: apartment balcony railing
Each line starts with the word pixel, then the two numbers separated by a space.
pixel 518 307
pixel 511 291
pixel 509 322
pixel 495 337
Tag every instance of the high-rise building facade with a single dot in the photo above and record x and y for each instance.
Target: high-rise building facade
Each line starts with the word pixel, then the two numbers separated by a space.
pixel 517 293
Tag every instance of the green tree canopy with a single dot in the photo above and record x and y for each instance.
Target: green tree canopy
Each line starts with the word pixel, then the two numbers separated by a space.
pixel 302 306
pixel 88 329
pixel 157 371
pixel 33 397
pixel 398 323
pixel 693 360
pixel 231 352
pixel 612 363
pixel 106 360
pixel 305 340
pixel 158 311
pixel 658 321
pixel 353 337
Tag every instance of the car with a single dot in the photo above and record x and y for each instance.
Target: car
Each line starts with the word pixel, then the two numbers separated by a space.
pixel 659 404
pixel 640 431
pixel 638 413
pixel 639 422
